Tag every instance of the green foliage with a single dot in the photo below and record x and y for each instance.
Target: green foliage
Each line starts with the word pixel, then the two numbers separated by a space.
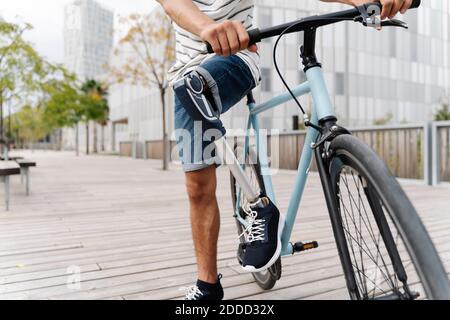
pixel 68 104
pixel 64 104
pixel 443 114
pixel 25 79
pixel 28 125
pixel 51 97
pixel 22 69
pixel 95 103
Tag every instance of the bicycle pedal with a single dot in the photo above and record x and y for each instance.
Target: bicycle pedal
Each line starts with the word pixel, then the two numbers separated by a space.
pixel 301 246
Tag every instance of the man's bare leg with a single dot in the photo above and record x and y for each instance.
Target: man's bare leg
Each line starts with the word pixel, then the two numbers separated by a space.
pixel 205 221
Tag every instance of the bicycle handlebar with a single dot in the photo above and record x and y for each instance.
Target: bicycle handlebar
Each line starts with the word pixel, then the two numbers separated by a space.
pixel 414 5
pixel 257 35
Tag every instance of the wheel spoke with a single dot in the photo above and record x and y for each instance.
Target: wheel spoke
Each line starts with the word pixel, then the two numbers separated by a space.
pixel 352 246
pixel 374 283
pixel 364 242
pixel 357 225
pixel 370 230
pixel 368 255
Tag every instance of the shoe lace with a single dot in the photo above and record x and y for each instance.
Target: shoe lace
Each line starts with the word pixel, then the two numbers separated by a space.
pixel 192 293
pixel 255 229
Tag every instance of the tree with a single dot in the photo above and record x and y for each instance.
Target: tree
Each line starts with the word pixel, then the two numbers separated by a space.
pixel 150 40
pixel 52 97
pixel 21 67
pixel 95 109
pixel 443 114
pixel 63 104
pixel 67 103
pixel 28 125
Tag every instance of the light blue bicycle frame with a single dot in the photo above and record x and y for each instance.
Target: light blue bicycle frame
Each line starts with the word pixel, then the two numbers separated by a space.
pixel 323 108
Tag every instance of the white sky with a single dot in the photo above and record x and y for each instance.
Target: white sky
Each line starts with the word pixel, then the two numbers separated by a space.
pixel 47 18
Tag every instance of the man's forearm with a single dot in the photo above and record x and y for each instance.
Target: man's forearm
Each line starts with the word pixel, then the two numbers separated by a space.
pixel 225 37
pixel 186 15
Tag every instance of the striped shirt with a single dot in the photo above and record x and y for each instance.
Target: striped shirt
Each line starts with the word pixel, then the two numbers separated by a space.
pixel 190 49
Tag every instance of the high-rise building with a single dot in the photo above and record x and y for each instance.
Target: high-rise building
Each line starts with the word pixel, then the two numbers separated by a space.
pixel 393 76
pixel 88 42
pixel 88 38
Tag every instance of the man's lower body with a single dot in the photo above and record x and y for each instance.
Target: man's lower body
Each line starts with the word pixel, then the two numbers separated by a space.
pixel 229 80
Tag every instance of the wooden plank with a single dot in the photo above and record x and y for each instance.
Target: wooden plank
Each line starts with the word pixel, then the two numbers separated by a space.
pixel 444 134
pixel 127 227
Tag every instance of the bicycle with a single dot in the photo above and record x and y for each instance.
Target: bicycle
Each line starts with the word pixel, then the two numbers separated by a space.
pixel 377 230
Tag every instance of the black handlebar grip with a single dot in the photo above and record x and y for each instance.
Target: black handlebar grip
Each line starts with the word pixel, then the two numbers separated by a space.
pixel 254 35
pixel 415 4
pixel 209 48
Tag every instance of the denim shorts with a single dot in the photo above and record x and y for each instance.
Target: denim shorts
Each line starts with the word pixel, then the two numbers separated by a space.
pixel 233 80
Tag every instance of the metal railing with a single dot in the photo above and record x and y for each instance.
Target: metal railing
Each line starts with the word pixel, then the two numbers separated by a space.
pixel 411 151
pixel 440 151
pixel 403 148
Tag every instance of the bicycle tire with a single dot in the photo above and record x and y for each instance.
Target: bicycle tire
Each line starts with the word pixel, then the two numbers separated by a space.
pixel 382 190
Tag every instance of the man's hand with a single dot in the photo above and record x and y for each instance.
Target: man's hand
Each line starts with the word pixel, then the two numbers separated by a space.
pixel 390 7
pixel 227 38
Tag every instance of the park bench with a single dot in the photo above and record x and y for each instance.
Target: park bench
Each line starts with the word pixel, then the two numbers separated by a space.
pixel 25 166
pixel 11 158
pixel 7 169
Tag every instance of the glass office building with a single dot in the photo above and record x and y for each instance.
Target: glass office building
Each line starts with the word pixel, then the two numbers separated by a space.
pixel 88 42
pixel 88 38
pixel 393 76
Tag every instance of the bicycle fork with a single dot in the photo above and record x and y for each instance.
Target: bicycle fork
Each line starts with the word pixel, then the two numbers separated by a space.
pixel 333 211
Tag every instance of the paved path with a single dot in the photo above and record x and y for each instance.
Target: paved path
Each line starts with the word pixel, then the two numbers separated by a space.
pixel 124 224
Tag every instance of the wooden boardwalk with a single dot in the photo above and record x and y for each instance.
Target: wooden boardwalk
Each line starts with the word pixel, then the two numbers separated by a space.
pixel 124 224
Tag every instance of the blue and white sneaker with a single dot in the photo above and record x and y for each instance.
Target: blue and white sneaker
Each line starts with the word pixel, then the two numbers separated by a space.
pixel 263 237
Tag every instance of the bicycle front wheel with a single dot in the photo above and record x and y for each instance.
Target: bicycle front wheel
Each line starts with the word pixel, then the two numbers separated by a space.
pixel 388 253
